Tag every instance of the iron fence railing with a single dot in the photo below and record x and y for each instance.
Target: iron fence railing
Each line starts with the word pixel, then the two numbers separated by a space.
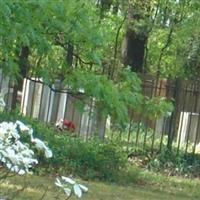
pixel 180 130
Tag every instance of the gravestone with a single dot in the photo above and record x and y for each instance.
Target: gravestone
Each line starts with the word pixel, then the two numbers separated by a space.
pixel 188 124
pixel 39 101
pixel 6 90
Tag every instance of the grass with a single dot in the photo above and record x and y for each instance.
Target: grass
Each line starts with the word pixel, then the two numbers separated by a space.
pixel 147 187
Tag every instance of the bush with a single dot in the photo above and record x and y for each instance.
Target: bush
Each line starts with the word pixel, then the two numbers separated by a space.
pixel 168 162
pixel 171 163
pixel 87 159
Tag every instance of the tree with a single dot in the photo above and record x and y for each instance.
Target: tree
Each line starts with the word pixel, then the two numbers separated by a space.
pixel 79 43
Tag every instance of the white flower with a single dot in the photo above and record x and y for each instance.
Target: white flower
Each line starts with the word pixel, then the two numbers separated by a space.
pixel 8 126
pixel 48 153
pixel 15 134
pixel 21 172
pixel 69 186
pixel 67 191
pixel 40 145
pixel 77 190
pixel 22 126
pixel 58 183
pixel 15 155
pixel 30 132
pixel 83 188
pixel 68 180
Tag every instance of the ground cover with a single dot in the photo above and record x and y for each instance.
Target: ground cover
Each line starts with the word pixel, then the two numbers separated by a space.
pixel 148 186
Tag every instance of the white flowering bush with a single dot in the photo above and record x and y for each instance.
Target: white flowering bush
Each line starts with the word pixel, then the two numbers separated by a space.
pixel 18 157
pixel 14 154
pixel 70 186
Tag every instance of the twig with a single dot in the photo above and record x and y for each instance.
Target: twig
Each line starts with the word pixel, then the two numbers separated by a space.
pixel 69 196
pixel 63 45
pixel 116 46
pixel 44 194
pixel 154 17
pixel 163 49
pixel 15 194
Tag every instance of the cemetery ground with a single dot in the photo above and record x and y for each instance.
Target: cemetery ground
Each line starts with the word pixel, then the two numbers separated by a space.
pixel 148 186
pixel 101 166
pixel 134 62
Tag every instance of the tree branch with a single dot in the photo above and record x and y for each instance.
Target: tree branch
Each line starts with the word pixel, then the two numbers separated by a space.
pixel 116 46
pixel 63 45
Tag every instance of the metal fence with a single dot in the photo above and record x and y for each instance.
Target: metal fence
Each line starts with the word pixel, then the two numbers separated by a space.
pixel 49 104
pixel 180 130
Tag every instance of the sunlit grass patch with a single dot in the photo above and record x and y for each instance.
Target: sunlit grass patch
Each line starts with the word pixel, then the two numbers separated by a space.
pixel 151 187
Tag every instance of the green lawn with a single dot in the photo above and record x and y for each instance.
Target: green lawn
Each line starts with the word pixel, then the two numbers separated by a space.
pixel 151 187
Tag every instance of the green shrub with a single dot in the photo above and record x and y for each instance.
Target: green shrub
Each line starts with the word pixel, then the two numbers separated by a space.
pixel 171 163
pixel 131 174
pixel 91 158
pixel 87 159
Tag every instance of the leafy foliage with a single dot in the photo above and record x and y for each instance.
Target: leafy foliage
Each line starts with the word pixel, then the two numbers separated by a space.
pixel 92 159
pixel 77 44
pixel 157 107
pixel 169 163
pixel 172 164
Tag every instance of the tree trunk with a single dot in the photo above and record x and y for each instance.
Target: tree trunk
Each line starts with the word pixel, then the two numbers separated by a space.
pixel 69 54
pixel 133 50
pixel 136 35
pixel 23 70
